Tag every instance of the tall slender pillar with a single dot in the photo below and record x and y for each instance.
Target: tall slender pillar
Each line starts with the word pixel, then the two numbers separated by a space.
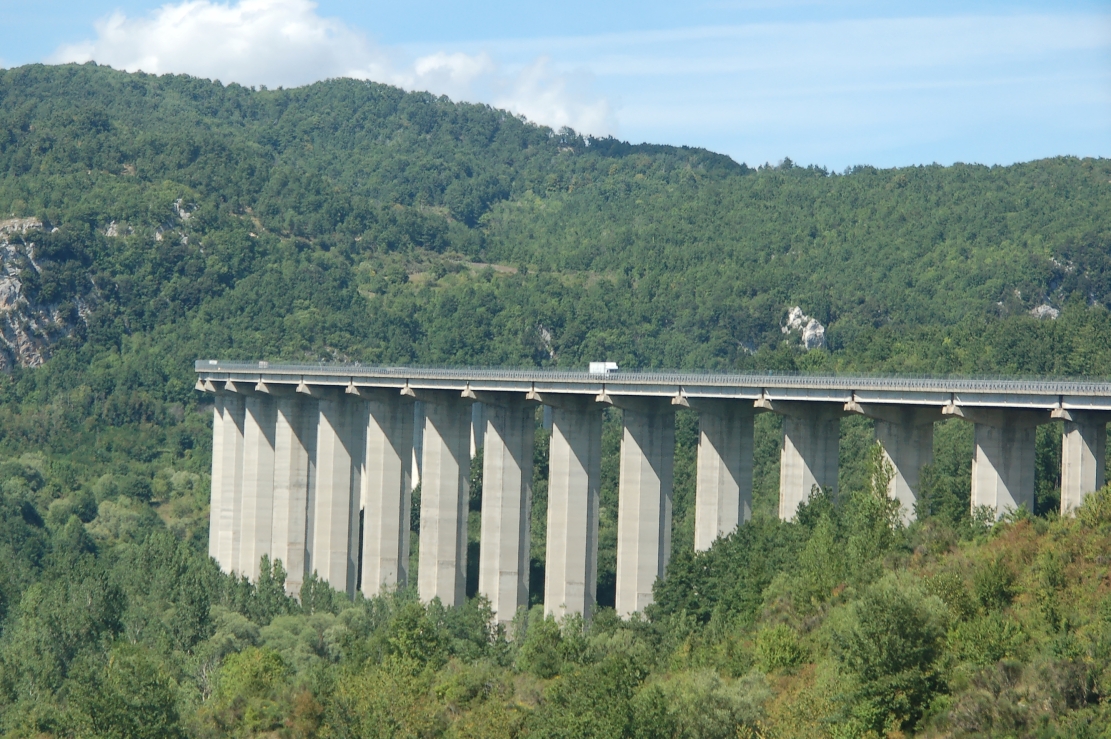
pixel 294 460
pixel 217 479
pixel 1083 445
pixel 723 489
pixel 387 487
pixel 256 521
pixel 418 441
pixel 811 445
pixel 336 516
pixel 1003 465
pixel 574 483
pixel 906 434
pixel 231 474
pixel 478 427
pixel 503 572
pixel 644 503
pixel 445 482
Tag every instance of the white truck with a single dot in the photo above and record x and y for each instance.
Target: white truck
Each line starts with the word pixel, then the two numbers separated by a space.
pixel 602 368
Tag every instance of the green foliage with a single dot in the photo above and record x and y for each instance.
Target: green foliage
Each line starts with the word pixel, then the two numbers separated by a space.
pixel 985 640
pixel 132 696
pixel 249 692
pixel 1095 511
pixel 778 648
pixel 352 221
pixel 888 647
pixel 994 584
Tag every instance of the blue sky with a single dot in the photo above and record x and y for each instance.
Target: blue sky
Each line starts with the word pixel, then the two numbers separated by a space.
pixel 828 83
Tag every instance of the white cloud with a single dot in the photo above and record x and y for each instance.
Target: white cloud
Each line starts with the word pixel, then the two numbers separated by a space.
pixel 286 43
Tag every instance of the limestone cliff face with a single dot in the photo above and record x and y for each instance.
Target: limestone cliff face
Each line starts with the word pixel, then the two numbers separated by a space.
pixel 28 329
pixel 811 333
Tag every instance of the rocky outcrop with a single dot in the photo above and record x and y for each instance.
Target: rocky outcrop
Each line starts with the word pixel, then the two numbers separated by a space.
pixel 811 333
pixel 1045 310
pixel 28 329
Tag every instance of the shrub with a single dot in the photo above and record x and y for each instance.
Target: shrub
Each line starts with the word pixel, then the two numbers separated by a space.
pixel 888 646
pixel 778 648
pixel 1095 511
pixel 994 584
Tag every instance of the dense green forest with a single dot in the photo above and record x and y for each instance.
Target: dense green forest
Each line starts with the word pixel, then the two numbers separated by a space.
pixel 148 221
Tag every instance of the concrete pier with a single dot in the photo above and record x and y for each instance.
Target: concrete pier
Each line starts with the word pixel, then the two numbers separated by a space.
pixel 1003 465
pixel 294 460
pixel 723 489
pixel 231 480
pixel 906 434
pixel 1083 445
pixel 445 482
pixel 503 572
pixel 217 479
pixel 335 538
pixel 257 515
pixel 387 487
pixel 574 483
pixel 811 446
pixel 644 505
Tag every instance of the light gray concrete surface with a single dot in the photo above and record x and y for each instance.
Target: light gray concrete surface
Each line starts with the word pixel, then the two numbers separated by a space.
pixel 387 488
pixel 257 516
pixel 723 488
pixel 294 456
pixel 644 499
pixel 231 475
pixel 336 514
pixel 574 483
pixel 445 482
pixel 503 571
pixel 906 434
pixel 1083 446
pixel 1003 464
pixel 217 479
pixel 809 456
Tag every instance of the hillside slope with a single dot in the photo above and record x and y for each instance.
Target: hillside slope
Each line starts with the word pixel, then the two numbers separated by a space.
pixel 148 221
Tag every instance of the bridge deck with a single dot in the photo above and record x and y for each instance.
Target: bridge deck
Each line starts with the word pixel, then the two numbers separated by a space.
pixel 933 391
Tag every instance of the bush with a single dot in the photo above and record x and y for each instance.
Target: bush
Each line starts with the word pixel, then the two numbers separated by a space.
pixel 888 646
pixel 778 648
pixel 986 640
pixel 994 584
pixel 1095 511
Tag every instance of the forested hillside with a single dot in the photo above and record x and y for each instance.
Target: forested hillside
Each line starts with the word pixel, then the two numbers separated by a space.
pixel 147 221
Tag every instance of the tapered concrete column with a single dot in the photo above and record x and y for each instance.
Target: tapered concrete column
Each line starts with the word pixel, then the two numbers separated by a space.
pixel 217 479
pixel 503 571
pixel 231 475
pixel 1003 465
pixel 906 434
pixel 811 445
pixel 387 486
pixel 256 522
pixel 442 558
pixel 574 483
pixel 723 490
pixel 1083 446
pixel 294 462
pixel 644 502
pixel 418 441
pixel 335 539
pixel 478 427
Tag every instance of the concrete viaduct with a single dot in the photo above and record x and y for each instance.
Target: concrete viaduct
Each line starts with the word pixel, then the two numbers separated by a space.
pixel 302 453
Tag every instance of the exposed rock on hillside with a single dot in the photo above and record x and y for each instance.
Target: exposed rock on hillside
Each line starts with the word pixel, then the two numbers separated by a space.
pixel 811 333
pixel 28 329
pixel 1045 310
